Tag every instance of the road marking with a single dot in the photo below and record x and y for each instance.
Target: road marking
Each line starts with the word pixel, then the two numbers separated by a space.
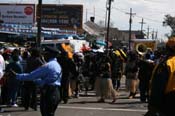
pixel 106 109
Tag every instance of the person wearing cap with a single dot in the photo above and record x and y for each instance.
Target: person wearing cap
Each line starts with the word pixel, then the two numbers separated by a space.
pixel 146 66
pixel 48 76
pixel 162 84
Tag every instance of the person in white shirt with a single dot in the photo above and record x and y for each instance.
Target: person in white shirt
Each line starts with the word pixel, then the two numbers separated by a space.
pixel 2 68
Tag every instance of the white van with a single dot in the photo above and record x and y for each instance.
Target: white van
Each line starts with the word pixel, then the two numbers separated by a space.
pixel 75 44
pixel 53 43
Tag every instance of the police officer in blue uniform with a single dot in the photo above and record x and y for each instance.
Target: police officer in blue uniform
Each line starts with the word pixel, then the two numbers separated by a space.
pixel 48 76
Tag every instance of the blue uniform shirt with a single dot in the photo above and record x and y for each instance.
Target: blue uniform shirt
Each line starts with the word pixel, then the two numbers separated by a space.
pixel 48 74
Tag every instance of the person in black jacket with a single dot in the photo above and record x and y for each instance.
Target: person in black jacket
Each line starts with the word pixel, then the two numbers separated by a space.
pixel 68 68
pixel 29 87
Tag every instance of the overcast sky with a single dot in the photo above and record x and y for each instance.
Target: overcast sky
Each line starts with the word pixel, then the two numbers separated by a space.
pixel 152 11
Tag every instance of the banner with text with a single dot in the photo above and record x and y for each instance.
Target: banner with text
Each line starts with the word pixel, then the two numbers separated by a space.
pixel 62 16
pixel 23 14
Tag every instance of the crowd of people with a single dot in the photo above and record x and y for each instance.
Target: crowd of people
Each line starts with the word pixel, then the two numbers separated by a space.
pixel 50 76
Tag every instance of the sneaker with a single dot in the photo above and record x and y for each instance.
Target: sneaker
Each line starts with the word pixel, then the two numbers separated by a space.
pixel 26 108
pixel 77 96
pixel 14 105
pixel 65 101
pixel 101 101
pixel 130 97
pixel 114 100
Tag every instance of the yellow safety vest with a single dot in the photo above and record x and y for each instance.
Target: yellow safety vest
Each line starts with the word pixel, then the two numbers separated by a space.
pixel 171 80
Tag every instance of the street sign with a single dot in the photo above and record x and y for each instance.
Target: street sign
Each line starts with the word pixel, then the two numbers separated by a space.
pixel 23 14
pixel 62 16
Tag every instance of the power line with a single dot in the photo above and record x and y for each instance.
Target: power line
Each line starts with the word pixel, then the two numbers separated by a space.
pixel 155 1
pixel 124 11
pixel 153 10
pixel 130 24
pixel 153 20
pixel 95 14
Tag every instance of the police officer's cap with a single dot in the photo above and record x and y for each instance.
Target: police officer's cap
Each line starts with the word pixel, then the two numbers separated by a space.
pixel 52 50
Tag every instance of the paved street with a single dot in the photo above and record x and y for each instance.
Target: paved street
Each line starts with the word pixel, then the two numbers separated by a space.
pixel 86 105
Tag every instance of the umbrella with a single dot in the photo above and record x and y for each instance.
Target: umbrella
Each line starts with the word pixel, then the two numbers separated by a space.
pixel 100 42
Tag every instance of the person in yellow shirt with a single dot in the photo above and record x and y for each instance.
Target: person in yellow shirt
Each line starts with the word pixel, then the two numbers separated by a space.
pixel 162 85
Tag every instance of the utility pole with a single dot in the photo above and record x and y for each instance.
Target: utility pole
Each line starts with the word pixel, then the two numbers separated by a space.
pixel 148 32
pixel 106 14
pixel 153 34
pixel 130 24
pixel 38 41
pixel 141 30
pixel 156 35
pixel 108 26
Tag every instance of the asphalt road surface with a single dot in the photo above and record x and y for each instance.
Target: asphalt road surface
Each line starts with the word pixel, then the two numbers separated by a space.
pixel 87 105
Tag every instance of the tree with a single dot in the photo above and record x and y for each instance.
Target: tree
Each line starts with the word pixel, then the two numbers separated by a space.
pixel 170 21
